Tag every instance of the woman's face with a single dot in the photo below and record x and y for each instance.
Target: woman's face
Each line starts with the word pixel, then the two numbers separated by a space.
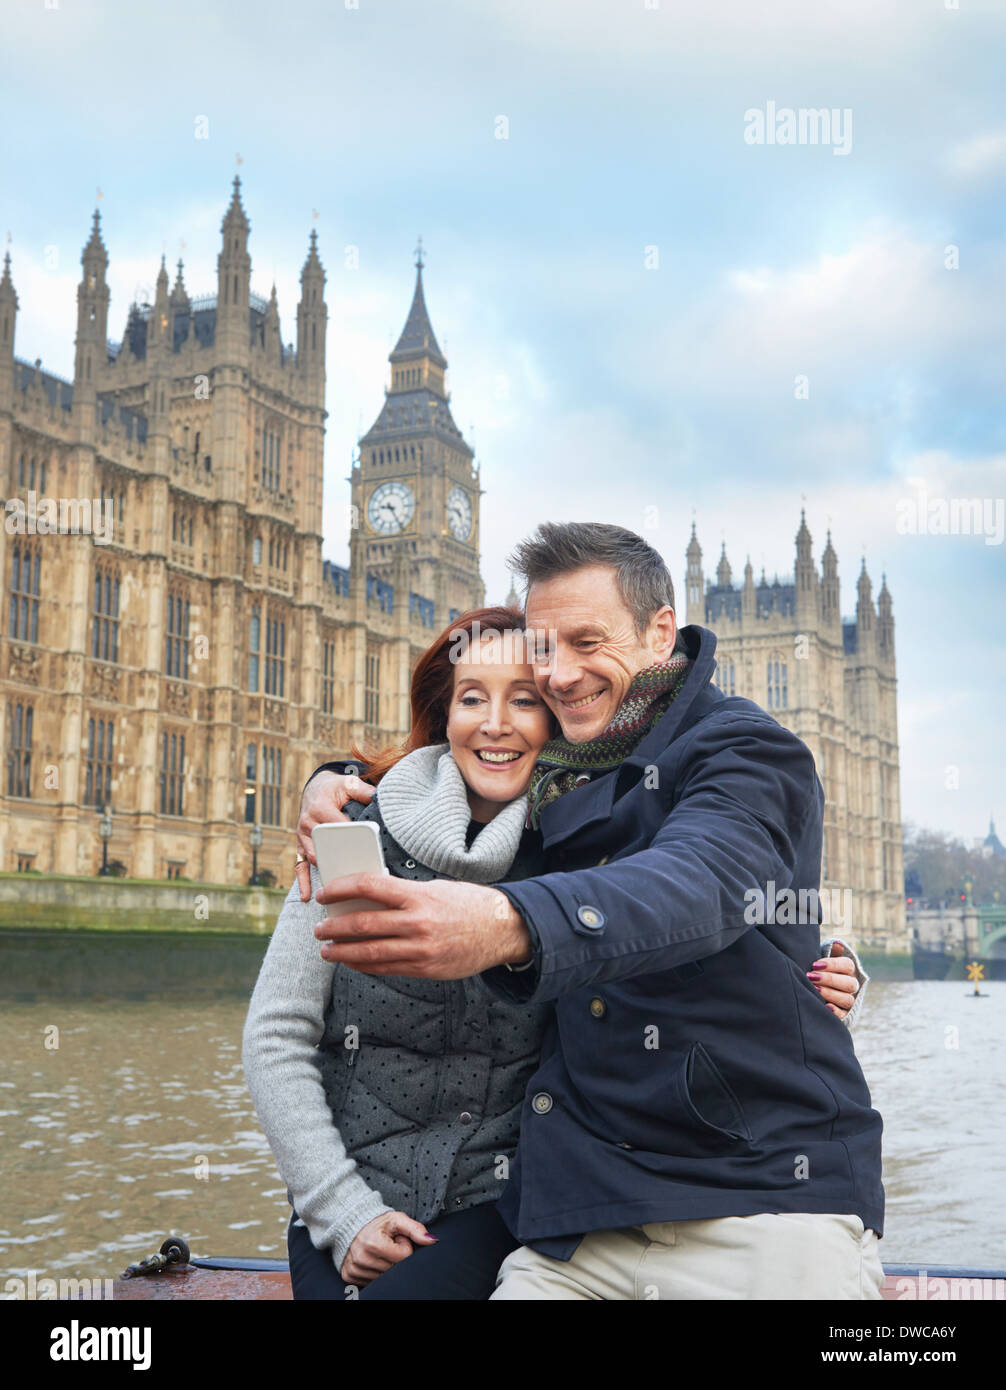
pixel 496 725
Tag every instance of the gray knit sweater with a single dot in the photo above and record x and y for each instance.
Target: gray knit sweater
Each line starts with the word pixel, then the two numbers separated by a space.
pixel 424 804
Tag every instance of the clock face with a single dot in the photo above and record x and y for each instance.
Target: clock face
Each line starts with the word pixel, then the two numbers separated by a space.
pixel 459 514
pixel 390 507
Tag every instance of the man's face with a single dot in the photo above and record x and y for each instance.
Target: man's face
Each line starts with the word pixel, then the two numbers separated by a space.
pixel 595 650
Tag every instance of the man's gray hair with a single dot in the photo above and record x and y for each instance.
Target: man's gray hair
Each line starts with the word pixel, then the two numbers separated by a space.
pixel 559 547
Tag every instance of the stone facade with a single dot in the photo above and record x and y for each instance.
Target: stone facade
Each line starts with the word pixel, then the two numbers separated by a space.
pixel 188 657
pixel 833 682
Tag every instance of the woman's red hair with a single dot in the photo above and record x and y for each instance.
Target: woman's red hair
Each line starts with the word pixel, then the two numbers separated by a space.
pixel 433 685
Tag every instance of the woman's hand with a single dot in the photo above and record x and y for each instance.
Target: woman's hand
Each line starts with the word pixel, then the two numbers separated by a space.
pixel 835 981
pixel 383 1242
pixel 323 800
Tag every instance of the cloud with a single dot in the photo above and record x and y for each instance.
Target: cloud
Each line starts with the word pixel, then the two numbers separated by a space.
pixel 981 155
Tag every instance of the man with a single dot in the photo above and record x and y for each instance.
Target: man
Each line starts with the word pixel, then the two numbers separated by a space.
pixel 682 1138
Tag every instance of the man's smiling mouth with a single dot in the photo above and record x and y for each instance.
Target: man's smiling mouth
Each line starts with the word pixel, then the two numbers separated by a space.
pixel 581 704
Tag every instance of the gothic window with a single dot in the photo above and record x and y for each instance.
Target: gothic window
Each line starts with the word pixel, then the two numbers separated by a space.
pixel 20 719
pixel 105 617
pixel 98 772
pixel 275 657
pixel 257 550
pixel 268 793
pixel 372 688
pixel 328 678
pixel 110 497
pixel 272 782
pixel 176 637
pixel 778 695
pixel 269 471
pixel 254 643
pixel 172 773
pixel 251 776
pixel 26 568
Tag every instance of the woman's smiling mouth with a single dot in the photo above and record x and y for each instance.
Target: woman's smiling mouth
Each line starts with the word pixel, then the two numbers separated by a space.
pixel 500 757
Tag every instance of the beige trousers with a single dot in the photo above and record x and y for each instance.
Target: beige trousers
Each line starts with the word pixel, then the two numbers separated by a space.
pixel 786 1256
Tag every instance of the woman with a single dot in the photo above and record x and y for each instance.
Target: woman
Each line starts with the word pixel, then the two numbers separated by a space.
pixel 406 1086
pixel 392 1104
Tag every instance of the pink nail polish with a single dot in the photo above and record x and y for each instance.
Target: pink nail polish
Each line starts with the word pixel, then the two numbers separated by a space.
pixel 813 975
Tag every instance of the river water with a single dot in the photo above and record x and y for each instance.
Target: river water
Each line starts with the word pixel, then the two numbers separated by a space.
pixel 123 1119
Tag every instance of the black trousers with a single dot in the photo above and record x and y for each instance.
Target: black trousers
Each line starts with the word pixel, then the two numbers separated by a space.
pixel 473 1243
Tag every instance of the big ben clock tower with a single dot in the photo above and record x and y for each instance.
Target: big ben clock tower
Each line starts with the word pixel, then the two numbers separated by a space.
pixel 416 484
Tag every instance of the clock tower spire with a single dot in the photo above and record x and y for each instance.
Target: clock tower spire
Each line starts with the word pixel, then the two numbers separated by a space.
pixel 416 483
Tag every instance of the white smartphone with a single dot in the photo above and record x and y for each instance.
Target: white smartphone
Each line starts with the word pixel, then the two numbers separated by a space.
pixel 348 847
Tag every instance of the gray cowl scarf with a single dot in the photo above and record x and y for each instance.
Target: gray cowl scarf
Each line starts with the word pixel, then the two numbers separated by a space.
pixel 423 801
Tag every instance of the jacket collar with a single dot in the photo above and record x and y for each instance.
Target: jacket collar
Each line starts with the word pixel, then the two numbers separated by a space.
pixel 700 646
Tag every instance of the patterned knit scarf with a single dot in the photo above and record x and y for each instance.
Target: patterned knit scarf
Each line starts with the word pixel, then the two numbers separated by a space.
pixel 562 765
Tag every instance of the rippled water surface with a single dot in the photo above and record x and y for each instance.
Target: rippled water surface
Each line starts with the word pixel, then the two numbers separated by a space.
pixel 138 1124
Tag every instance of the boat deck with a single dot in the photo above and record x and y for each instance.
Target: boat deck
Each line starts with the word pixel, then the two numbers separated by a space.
pixel 252 1279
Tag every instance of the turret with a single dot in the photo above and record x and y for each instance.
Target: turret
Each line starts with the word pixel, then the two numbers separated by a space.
pixel 723 572
pixel 273 341
pixel 805 577
pixel 233 284
pixel 180 301
pixel 160 332
pixel 831 607
pixel 865 613
pixel 885 622
pixel 8 321
pixel 312 323
pixel 694 582
pixel 749 600
pixel 92 318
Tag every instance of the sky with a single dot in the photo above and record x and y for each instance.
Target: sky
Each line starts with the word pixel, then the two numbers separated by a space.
pixel 650 316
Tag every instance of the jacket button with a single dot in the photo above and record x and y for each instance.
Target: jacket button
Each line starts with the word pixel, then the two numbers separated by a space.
pixel 465 1117
pixel 542 1103
pixel 590 917
pixel 598 1008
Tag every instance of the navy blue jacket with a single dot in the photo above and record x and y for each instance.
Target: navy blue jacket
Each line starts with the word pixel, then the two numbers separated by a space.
pixel 692 1070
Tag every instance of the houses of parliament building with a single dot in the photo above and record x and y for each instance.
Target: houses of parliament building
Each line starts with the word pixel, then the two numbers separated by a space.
pixel 189 668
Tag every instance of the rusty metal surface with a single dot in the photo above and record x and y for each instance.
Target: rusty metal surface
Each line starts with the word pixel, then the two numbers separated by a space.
pixel 187 1282
pixel 191 1283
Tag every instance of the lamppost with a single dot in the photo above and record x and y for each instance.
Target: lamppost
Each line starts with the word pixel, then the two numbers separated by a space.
pixel 255 840
pixel 105 831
